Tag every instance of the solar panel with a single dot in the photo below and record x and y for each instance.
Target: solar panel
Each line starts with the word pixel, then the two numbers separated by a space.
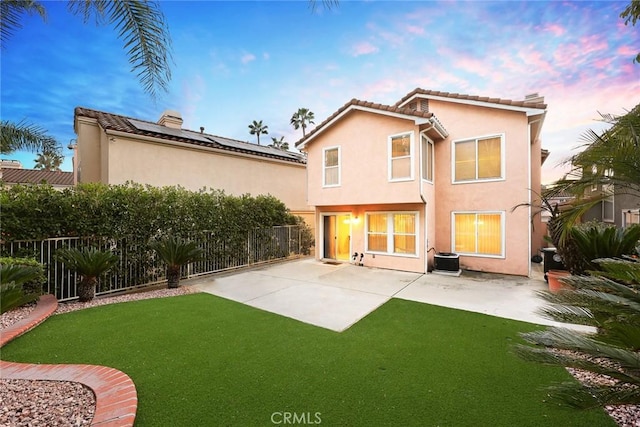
pixel 253 147
pixel 164 130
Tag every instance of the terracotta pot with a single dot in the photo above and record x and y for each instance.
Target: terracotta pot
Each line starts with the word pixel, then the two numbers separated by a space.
pixel 553 277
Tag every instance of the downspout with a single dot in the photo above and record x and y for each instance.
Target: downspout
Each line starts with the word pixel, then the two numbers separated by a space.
pixel 529 201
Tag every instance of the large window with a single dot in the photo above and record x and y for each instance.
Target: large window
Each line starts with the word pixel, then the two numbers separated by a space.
pixel 401 157
pixel 478 233
pixel 331 167
pixel 607 203
pixel 427 158
pixel 478 159
pixel 392 233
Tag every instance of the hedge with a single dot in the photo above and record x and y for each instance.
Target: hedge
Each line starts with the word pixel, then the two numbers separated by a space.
pixel 34 212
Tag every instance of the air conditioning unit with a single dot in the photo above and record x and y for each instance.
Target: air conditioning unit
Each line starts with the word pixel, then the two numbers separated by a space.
pixel 447 263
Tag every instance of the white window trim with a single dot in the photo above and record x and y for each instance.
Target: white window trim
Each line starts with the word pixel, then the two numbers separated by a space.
pixel 473 254
pixel 609 199
pixel 390 233
pixel 324 166
pixel 433 158
pixel 411 156
pixel 476 138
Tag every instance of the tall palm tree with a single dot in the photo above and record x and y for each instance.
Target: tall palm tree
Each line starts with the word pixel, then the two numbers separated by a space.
pixel 49 161
pixel 280 144
pixel 301 118
pixel 140 24
pixel 257 128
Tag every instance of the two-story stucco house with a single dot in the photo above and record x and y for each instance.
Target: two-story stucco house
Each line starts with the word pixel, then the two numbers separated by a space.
pixel 114 149
pixel 436 172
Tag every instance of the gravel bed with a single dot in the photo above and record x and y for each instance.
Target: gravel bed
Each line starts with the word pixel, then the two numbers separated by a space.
pixel 57 403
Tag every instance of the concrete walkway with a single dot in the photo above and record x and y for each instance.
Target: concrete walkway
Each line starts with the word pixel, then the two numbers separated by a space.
pixel 335 296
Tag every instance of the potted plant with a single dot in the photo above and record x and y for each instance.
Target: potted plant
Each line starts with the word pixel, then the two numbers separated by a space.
pixel 89 264
pixel 176 252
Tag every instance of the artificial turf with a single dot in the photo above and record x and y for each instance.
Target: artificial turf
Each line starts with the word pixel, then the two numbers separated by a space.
pixel 200 360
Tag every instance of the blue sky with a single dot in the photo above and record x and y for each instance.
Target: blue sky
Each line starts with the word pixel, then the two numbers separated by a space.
pixel 239 61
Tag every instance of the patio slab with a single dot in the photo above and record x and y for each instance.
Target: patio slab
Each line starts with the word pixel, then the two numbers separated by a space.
pixel 335 296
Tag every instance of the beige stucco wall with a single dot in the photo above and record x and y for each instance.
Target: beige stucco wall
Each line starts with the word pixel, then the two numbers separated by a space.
pixel 463 121
pixel 116 158
pixel 363 140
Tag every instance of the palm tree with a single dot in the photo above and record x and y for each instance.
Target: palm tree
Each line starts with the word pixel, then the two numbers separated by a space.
pixel 257 128
pixel 175 253
pixel 89 264
pixel 608 301
pixel 301 118
pixel 24 136
pixel 49 161
pixel 280 144
pixel 140 25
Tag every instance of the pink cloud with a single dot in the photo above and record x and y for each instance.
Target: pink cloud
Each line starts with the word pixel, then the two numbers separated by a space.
pixel 414 29
pixel 626 51
pixel 555 29
pixel 363 48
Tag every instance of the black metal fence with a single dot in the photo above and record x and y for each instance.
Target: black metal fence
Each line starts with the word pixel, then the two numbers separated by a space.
pixel 140 267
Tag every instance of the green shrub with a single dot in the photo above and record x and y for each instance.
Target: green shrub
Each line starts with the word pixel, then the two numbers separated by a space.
pixel 89 264
pixel 176 252
pixel 596 240
pixel 34 285
pixel 13 277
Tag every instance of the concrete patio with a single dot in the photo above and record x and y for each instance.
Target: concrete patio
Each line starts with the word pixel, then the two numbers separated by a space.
pixel 335 296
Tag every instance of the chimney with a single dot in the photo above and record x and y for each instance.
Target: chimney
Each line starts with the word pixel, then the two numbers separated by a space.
pixel 171 119
pixel 534 98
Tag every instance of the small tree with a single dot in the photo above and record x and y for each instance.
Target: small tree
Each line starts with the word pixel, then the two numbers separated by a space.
pixel 49 160
pixel 175 253
pixel 89 264
pixel 257 128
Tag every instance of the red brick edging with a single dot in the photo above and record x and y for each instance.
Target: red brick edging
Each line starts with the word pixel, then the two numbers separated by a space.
pixel 116 396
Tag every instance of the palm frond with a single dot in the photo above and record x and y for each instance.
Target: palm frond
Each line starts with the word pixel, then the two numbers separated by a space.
pixel 142 27
pixel 11 12
pixel 24 136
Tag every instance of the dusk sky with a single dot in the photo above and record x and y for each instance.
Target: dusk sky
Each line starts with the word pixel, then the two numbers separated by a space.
pixel 235 62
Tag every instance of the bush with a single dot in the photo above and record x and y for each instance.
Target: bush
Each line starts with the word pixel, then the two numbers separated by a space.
pixel 91 209
pixel 34 285
pixel 13 277
pixel 596 240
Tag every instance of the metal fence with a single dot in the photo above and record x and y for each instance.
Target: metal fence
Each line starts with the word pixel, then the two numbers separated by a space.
pixel 139 266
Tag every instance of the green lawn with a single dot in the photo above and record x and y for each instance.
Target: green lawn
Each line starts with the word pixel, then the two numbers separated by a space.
pixel 199 360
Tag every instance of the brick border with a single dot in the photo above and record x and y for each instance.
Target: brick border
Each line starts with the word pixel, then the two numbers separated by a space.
pixel 115 392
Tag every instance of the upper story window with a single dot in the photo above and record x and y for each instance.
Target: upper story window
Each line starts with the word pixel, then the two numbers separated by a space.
pixel 401 157
pixel 427 158
pixel 478 159
pixel 331 167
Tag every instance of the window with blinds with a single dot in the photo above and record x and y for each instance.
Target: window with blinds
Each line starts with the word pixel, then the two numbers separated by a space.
pixel 401 157
pixel 331 167
pixel 478 233
pixel 392 232
pixel 478 159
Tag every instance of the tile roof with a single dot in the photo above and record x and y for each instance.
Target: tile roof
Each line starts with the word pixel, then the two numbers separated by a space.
pixel 358 103
pixel 35 176
pixel 463 97
pixel 109 121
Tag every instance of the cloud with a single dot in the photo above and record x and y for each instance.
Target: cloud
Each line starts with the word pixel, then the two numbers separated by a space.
pixel 363 48
pixel 266 56
pixel 414 29
pixel 554 29
pixel 247 57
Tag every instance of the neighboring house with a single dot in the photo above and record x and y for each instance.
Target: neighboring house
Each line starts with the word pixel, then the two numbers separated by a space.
pixel 436 172
pixel 12 173
pixel 621 209
pixel 115 149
